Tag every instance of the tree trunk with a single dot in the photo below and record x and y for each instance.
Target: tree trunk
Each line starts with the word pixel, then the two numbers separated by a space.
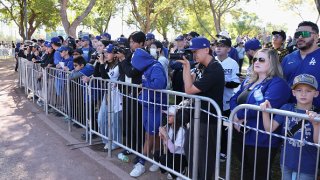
pixel 71 29
pixel 317 5
pixel 215 18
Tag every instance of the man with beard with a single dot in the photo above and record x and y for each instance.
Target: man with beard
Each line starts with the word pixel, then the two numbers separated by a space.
pixel 306 59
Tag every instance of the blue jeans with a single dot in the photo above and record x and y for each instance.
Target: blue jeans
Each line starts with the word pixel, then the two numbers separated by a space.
pixel 116 124
pixel 289 174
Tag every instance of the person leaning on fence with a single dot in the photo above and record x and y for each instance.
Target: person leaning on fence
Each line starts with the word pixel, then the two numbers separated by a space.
pixel 173 138
pixel 132 112
pixel 208 83
pixel 81 68
pixel 265 83
pixel 109 69
pixel 304 89
pixel 154 78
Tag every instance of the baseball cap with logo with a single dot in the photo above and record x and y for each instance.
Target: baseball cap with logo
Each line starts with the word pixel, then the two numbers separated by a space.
pixel 305 79
pixel 223 34
pixel 109 48
pixel 85 38
pixel 199 43
pixel 225 41
pixel 107 35
pixel 150 36
pixel 63 48
pixel 55 40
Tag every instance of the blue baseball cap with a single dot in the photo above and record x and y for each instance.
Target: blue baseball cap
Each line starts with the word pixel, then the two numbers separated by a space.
pixel 150 36
pixel 98 38
pixel 199 43
pixel 85 38
pixel 63 48
pixel 47 44
pixel 107 35
pixel 179 38
pixel 122 40
pixel 252 44
pixel 55 40
pixel 109 48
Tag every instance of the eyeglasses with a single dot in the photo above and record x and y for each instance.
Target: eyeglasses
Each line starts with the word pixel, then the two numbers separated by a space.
pixel 303 34
pixel 260 59
pixel 76 54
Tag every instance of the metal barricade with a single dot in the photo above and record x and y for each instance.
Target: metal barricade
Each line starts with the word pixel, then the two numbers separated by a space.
pixel 38 81
pixel 22 71
pixel 6 53
pixel 135 127
pixel 78 102
pixel 58 90
pixel 257 149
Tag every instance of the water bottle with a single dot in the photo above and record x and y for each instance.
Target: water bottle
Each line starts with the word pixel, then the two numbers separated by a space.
pixel 258 96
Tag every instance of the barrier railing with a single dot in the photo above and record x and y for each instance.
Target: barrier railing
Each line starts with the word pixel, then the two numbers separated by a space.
pixel 6 53
pixel 121 114
pixel 262 146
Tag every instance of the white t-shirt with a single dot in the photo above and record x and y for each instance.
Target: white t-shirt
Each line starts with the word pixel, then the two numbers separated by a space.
pixel 178 140
pixel 231 69
pixel 115 93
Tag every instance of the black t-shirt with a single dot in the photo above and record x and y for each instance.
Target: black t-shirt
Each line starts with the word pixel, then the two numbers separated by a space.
pixel 211 83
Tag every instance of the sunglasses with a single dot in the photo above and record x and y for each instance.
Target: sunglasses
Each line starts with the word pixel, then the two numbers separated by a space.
pixel 303 34
pixel 262 60
pixel 76 54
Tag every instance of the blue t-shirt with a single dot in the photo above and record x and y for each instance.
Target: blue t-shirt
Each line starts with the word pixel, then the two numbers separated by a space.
pixel 292 151
pixel 294 65
pixel 86 54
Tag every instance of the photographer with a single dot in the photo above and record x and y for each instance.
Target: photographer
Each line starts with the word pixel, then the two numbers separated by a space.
pixel 209 84
pixel 177 68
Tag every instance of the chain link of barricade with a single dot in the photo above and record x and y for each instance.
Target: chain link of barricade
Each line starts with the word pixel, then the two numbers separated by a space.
pixel 120 113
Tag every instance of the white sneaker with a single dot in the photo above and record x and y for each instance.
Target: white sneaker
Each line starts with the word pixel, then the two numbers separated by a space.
pixel 154 168
pixel 169 176
pixel 138 170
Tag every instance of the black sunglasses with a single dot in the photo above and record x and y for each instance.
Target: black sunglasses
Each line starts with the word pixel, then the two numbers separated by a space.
pixel 262 60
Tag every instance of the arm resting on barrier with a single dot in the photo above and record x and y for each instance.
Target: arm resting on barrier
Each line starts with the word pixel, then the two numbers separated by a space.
pixel 266 118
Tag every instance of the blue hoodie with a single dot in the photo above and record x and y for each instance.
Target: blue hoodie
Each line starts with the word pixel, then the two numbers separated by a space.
pixel 277 92
pixel 154 76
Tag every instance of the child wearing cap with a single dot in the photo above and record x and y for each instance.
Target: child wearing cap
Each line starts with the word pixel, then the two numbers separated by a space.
pixel 304 89
pixel 172 136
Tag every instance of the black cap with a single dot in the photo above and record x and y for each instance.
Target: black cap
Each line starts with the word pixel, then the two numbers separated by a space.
pixel 281 33
pixel 225 41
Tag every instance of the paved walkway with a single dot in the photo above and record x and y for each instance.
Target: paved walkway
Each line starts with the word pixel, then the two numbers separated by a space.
pixel 32 146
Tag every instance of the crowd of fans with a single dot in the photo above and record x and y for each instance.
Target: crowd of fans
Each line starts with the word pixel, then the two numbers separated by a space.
pixel 281 74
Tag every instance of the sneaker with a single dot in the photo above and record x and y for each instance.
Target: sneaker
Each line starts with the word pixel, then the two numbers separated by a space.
pixel 169 176
pixel 123 157
pixel 40 102
pixel 154 168
pixel 138 170
pixel 223 157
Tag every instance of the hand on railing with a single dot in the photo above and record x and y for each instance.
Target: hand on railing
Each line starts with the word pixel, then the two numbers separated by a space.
pixel 265 105
pixel 239 121
pixel 313 115
pixel 85 79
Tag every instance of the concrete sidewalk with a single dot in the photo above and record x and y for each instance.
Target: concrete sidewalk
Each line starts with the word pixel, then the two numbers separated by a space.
pixel 33 146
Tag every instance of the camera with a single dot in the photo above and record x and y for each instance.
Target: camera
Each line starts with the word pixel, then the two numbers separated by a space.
pixel 121 50
pixel 95 56
pixel 176 56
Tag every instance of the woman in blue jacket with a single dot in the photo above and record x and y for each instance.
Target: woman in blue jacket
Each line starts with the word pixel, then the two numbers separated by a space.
pixel 153 78
pixel 265 83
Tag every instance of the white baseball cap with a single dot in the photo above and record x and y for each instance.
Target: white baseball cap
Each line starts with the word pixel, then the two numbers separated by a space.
pixel 171 110
pixel 224 34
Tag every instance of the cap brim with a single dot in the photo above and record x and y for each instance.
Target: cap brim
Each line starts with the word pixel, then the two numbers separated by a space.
pixel 293 86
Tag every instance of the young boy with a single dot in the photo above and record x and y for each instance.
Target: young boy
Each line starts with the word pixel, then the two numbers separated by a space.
pixel 304 89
